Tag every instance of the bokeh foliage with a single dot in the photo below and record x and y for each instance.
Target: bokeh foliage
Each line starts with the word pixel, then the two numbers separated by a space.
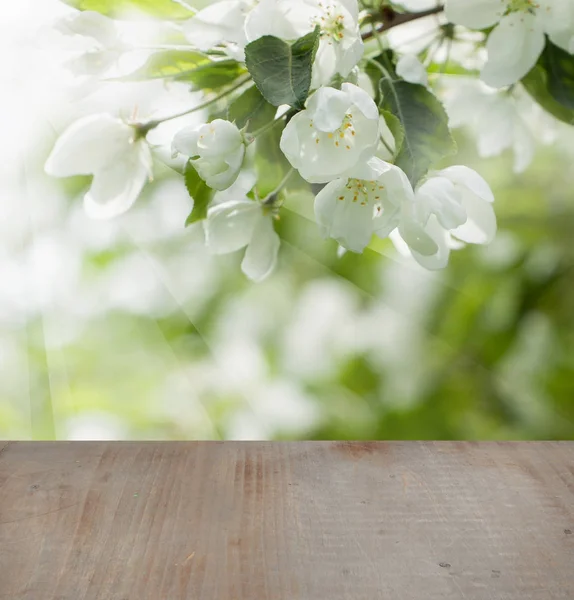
pixel 484 350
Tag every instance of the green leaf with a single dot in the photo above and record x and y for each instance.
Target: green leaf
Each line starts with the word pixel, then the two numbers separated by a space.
pixel 191 67
pixel 161 9
pixel 536 84
pixel 551 83
pixel 251 110
pixel 427 138
pixel 214 75
pixel 170 63
pixel 281 71
pixel 201 193
pixel 396 129
pixel 559 66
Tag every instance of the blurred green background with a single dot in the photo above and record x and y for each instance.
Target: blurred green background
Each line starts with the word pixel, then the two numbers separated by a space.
pixel 167 342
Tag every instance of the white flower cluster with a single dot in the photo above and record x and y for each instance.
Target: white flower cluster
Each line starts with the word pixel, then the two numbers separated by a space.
pixel 518 35
pixel 336 140
pixel 234 23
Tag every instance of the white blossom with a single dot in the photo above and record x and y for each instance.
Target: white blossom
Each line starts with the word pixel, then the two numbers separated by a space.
pixel 341 46
pixel 452 206
pixel 231 226
pixel 102 36
pixel 364 202
pixel 233 23
pixel 410 68
pixel 337 130
pixel 517 39
pixel 111 151
pixel 220 24
pixel 216 150
pixel 498 120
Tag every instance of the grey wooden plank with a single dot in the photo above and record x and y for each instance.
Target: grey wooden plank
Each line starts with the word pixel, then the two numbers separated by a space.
pixel 286 521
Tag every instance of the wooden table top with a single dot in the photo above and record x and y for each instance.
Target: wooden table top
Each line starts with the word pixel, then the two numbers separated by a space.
pixel 286 521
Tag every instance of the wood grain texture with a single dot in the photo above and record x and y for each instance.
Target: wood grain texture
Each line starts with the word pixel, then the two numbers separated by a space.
pixel 272 521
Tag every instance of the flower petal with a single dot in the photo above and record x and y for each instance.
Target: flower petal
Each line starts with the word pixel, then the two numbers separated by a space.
pixel 397 185
pixel 225 179
pixel 92 24
pixel 86 145
pixel 513 49
pixel 494 125
pixel 411 69
pixel 216 24
pixel 439 196
pixel 373 169
pixel 185 141
pixel 440 237
pixel 326 205
pixel 290 141
pixel 397 194
pixel 324 66
pixel 475 14
pixel 348 222
pixel 285 19
pixel 414 234
pixel 352 7
pixel 244 183
pixel 229 226
pixel 524 146
pixel 117 185
pixel 218 137
pixel 387 220
pixel 93 63
pixel 361 100
pixel 480 226
pixel 470 179
pixel 558 22
pixel 348 57
pixel 327 108
pixel 261 254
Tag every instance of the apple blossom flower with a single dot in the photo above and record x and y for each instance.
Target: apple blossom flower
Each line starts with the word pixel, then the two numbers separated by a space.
pixel 498 120
pixel 517 39
pixel 216 150
pixel 452 206
pixel 102 34
pixel 220 24
pixel 340 47
pixel 234 23
pixel 365 201
pixel 110 150
pixel 236 224
pixel 337 130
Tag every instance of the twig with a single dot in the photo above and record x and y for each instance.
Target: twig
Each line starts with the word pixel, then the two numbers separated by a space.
pixel 393 19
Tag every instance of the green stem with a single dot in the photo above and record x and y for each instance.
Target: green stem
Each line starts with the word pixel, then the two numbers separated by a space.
pixel 390 150
pixel 447 60
pixel 379 66
pixel 377 37
pixel 267 127
pixel 147 127
pixel 270 199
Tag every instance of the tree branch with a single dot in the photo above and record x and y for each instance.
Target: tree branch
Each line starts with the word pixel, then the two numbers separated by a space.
pixel 392 19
